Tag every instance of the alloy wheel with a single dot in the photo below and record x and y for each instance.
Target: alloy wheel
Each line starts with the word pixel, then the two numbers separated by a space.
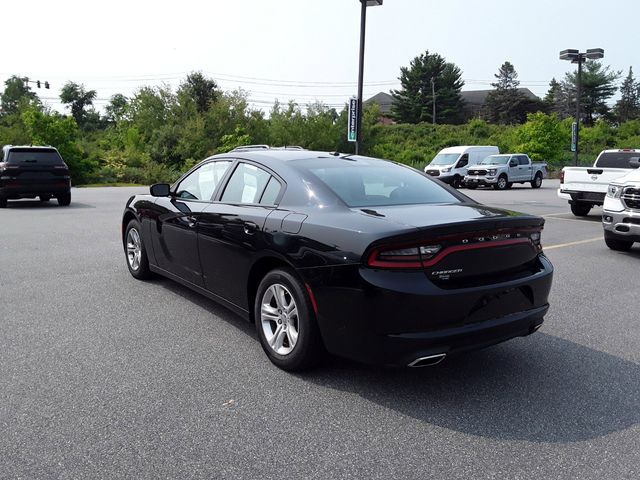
pixel 279 318
pixel 134 249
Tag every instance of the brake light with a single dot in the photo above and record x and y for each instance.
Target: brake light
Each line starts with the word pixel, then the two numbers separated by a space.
pixel 561 177
pixel 428 254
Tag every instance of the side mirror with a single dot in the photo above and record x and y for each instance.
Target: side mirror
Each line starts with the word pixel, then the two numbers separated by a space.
pixel 634 162
pixel 513 163
pixel 160 189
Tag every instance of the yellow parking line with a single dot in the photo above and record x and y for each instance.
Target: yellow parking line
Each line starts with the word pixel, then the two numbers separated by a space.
pixel 579 242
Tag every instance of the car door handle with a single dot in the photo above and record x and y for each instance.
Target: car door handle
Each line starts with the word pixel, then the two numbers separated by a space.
pixel 250 228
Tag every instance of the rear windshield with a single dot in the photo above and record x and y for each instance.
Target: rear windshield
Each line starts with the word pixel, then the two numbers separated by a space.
pixel 40 156
pixel 367 183
pixel 616 159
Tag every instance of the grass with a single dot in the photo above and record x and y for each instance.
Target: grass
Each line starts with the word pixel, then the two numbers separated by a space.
pixel 114 184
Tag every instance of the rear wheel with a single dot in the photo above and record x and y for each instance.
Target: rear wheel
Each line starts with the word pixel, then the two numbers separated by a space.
pixel 537 181
pixel 286 323
pixel 502 182
pixel 64 199
pixel 617 244
pixel 137 259
pixel 3 202
pixel 45 198
pixel 580 209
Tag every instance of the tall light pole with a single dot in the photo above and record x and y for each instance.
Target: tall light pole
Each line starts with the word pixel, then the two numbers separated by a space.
pixel 433 99
pixel 363 24
pixel 574 56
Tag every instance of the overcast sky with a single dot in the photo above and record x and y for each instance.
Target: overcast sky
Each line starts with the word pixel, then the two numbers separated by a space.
pixel 304 50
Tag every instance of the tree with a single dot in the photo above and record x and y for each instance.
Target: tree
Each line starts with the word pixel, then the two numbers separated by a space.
pixel 117 107
pixel 199 89
pixel 78 99
pixel 15 92
pixel 598 86
pixel 413 103
pixel 628 107
pixel 507 104
pixel 543 137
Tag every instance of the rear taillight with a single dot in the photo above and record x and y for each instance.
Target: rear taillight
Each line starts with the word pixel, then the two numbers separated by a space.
pixel 561 177
pixel 429 253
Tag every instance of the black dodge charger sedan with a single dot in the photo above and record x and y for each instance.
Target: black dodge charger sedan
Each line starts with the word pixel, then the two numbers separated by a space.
pixel 363 258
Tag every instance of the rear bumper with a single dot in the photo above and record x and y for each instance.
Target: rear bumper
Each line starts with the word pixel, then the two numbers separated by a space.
pixel 33 188
pixel 573 196
pixel 392 318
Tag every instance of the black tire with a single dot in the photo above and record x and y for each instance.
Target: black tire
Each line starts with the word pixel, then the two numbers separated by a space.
pixel 617 244
pixel 307 350
pixel 509 185
pixel 581 209
pixel 64 199
pixel 502 183
pixel 139 269
pixel 45 198
pixel 537 181
pixel 3 202
pixel 457 181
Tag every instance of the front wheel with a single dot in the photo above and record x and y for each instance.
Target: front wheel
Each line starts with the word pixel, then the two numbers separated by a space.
pixel 457 181
pixel 617 244
pixel 286 323
pixel 537 181
pixel 137 260
pixel 580 209
pixel 502 182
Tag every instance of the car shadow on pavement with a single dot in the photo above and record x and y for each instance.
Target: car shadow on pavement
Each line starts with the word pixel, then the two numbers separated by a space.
pixel 540 389
pixel 38 205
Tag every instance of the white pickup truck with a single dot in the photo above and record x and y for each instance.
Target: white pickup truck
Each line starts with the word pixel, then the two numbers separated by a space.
pixel 585 187
pixel 621 211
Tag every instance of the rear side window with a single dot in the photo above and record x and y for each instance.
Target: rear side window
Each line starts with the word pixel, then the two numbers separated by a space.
pixel 616 159
pixel 363 183
pixel 246 185
pixel 271 192
pixel 523 160
pixel 39 156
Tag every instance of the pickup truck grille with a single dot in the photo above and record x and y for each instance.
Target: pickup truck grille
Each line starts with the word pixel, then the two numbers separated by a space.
pixel 433 173
pixel 631 198
pixel 476 172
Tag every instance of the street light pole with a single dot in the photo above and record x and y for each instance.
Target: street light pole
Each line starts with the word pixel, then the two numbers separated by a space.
pixel 363 25
pixel 433 98
pixel 574 56
pixel 363 22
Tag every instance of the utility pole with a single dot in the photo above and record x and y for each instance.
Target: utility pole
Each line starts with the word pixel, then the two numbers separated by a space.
pixel 433 98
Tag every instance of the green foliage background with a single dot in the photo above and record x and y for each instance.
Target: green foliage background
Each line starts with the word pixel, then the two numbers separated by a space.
pixel 159 133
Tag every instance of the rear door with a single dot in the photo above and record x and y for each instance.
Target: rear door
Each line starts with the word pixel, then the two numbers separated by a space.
pixel 524 168
pixel 230 232
pixel 175 240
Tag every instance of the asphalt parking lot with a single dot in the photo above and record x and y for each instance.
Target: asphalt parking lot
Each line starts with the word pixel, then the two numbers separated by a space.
pixel 103 376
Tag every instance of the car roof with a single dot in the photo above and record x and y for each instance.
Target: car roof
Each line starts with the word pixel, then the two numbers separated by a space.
pixel 271 156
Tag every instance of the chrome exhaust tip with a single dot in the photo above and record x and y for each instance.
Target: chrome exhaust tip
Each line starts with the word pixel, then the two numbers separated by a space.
pixel 428 361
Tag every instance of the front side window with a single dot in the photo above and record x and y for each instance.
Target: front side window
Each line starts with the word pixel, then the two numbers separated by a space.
pixel 464 160
pixel 246 185
pixel 202 182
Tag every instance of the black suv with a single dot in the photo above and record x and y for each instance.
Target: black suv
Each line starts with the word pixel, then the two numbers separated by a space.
pixel 30 172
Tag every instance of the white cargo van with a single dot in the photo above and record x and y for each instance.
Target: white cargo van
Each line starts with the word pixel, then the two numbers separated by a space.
pixel 450 164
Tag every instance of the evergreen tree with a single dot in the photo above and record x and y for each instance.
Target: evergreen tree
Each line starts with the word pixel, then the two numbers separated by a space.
pixel 413 103
pixel 598 86
pixel 507 104
pixel 628 107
